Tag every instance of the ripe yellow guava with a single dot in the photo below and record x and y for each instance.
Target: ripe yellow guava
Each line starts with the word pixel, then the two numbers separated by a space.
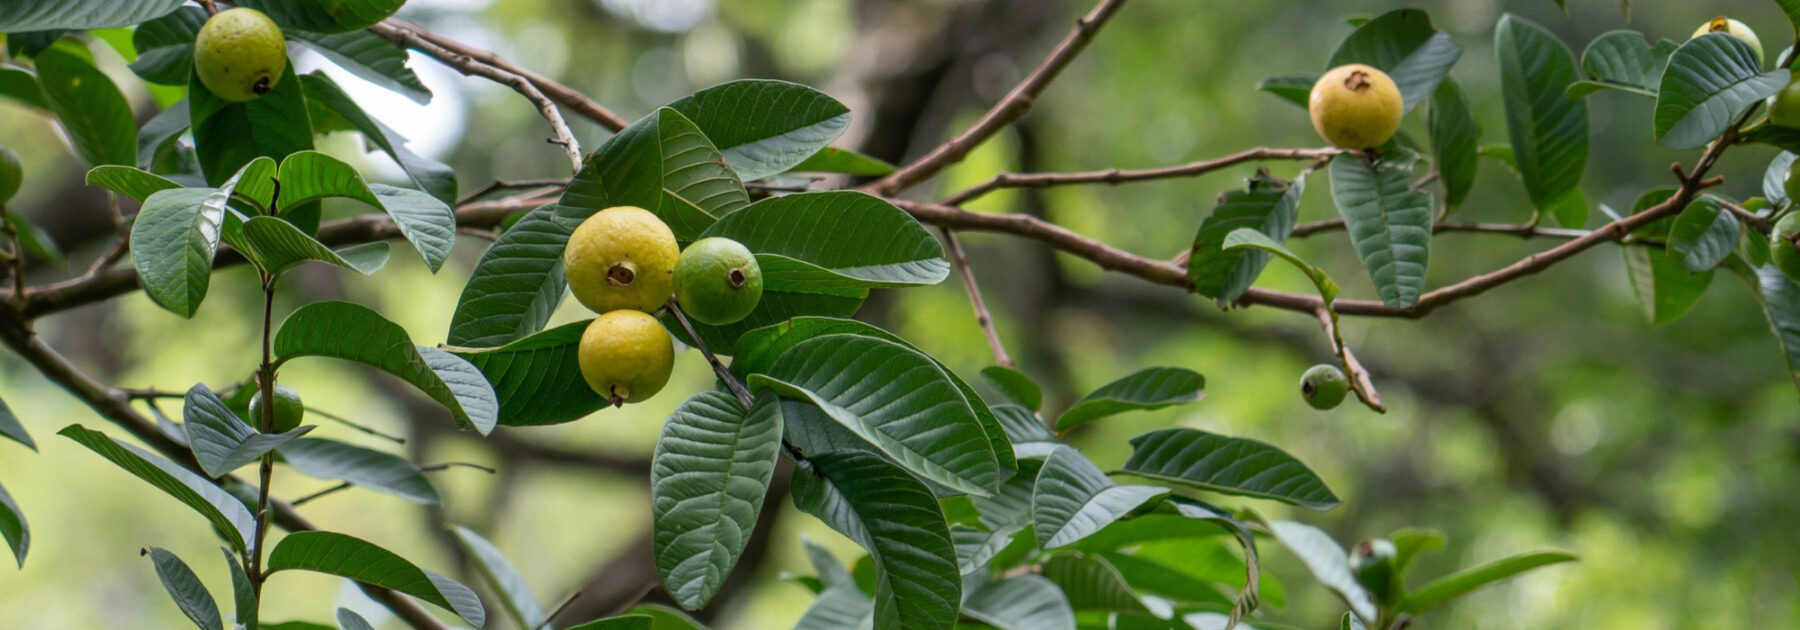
pixel 621 258
pixel 626 356
pixel 1355 107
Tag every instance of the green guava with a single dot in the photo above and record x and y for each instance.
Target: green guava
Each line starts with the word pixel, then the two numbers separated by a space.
pixel 1783 250
pixel 717 281
pixel 239 54
pixel 11 174
pixel 1324 386
pixel 288 409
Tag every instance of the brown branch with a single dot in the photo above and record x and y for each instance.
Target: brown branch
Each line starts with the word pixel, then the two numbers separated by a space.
pixel 562 94
pixel 1359 377
pixel 1119 176
pixel 1003 113
pixel 719 369
pixel 468 65
pixel 960 260
pixel 1523 230
pixel 1760 224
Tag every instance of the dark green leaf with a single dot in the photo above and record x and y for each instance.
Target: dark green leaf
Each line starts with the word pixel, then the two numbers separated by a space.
pixel 1146 389
pixel 1403 44
pixel 349 620
pixel 1664 288
pixel 1327 562
pixel 173 242
pixel 1780 299
pixel 165 46
pixel 1454 135
pixel 1027 433
pixel 227 514
pixel 12 429
pixel 895 518
pixel 1091 583
pixel 1016 385
pixel 515 595
pixel 538 379
pixel 18 16
pixel 1549 131
pixel 838 608
pixel 20 45
pixel 1074 499
pixel 161 134
pixel 698 187
pixel 1622 60
pixel 129 181
pixel 854 242
pixel 1703 235
pixel 1230 465
pixel 308 176
pixel 327 459
pixel 1774 183
pixel 1026 602
pixel 344 556
pixel 1710 80
pixel 430 175
pixel 1389 224
pixel 336 16
pixel 1293 88
pixel 519 281
pixel 242 592
pixel 355 333
pixel 426 222
pixel 898 400
pixel 845 161
pixel 367 55
pixel 21 85
pixel 222 442
pixel 792 123
pixel 185 588
pixel 229 135
pixel 711 470
pixel 14 527
pixel 1455 585
pixel 91 108
pixel 1146 573
pixel 1270 206
pixel 276 246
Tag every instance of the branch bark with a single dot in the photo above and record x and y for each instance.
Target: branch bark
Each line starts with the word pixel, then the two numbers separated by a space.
pixel 453 51
pixel 1120 176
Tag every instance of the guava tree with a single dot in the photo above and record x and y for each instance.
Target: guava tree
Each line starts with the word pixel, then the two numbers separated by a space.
pixel 690 234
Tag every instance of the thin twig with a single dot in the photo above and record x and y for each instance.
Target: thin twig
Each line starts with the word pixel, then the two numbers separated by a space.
pixel 449 465
pixel 1359 377
pixel 568 97
pixel 1120 176
pixel 731 381
pixel 1003 113
pixel 504 184
pixel 960 260
pixel 309 498
pixel 1760 224
pixel 468 65
pixel 1515 229
pixel 557 610
pixel 355 425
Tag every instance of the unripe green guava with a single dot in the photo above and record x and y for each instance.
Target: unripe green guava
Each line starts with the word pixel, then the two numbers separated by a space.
pixel 1784 106
pixel 288 409
pixel 1782 249
pixel 717 281
pixel 1324 386
pixel 11 174
pixel 1372 562
pixel 239 54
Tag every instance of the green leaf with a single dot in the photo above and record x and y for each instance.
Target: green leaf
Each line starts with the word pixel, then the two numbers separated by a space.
pixel 1293 88
pixel 349 620
pixel 11 428
pixel 345 556
pixel 1664 288
pixel 838 608
pixel 276 246
pixel 229 135
pixel 185 588
pixel 14 527
pixel 355 333
pixel 1622 60
pixel 1403 44
pixel 1091 583
pixel 91 108
pixel 898 400
pixel 538 379
pixel 708 477
pixel 429 224
pixel 1703 235
pixel 308 176
pixel 1026 602
pixel 1074 499
pixel 18 16
pixel 1016 385
pixel 165 46
pixel 1409 543
pixel 976 547
pixel 515 595
pixel 854 242
pixel 1774 183
pixel 21 85
pixel 844 161
pixel 1461 583
pixel 159 140
pixel 1229 465
pixel 222 442
pixel 429 175
pixel 173 241
pixel 1270 206
pixel 1246 238
pixel 1327 562
pixel 226 513
pixel 621 622
pixel 1710 80
pixel 519 281
pixel 1146 573
pixel 1389 224
pixel 1027 433
pixel 792 122
pixel 1549 131
pixel 129 181
pixel 328 459
pixel 1454 135
pixel 1144 390
pixel 370 57
pixel 1780 299
pixel 895 518
pixel 336 16
pixel 242 592
pixel 698 187
pixel 1792 9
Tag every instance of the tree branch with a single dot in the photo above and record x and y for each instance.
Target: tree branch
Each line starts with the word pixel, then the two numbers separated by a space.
pixel 960 260
pixel 1359 377
pixel 453 50
pixel 1003 113
pixel 1522 230
pixel 1119 176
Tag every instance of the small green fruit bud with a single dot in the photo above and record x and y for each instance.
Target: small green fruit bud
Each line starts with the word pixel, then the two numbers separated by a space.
pixel 1372 562
pixel 288 409
pixel 1324 386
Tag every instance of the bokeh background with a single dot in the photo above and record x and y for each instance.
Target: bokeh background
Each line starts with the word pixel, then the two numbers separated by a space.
pixel 1546 413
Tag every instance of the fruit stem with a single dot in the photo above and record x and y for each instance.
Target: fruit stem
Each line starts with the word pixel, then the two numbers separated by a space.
pixel 211 8
pixel 725 375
